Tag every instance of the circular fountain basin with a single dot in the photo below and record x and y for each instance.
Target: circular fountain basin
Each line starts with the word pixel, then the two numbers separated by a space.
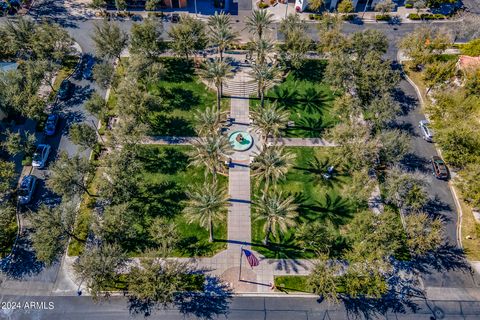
pixel 240 140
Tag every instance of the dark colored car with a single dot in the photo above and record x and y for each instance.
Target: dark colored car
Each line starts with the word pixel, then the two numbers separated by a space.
pixel 51 124
pixel 65 91
pixel 88 68
pixel 439 168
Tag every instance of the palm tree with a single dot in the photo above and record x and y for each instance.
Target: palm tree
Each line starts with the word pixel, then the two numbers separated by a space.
pixel 271 165
pixel 259 22
pixel 220 32
pixel 211 152
pixel 264 75
pixel 260 47
pixel 216 72
pixel 278 212
pixel 270 120
pixel 206 204
pixel 208 122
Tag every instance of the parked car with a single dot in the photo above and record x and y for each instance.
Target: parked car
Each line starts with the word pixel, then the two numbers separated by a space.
pixel 51 124
pixel 40 156
pixel 427 133
pixel 65 90
pixel 439 168
pixel 26 189
pixel 88 68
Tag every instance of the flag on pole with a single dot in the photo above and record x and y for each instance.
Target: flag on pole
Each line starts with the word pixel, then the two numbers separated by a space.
pixel 252 260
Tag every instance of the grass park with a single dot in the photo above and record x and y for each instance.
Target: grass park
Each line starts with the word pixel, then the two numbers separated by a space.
pixel 318 199
pixel 182 94
pixel 307 97
pixel 164 180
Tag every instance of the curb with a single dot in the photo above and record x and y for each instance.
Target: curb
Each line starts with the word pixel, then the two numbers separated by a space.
pixel 439 152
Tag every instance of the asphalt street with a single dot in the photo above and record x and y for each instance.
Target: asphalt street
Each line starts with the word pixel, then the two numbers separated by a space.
pixel 240 308
pixel 279 308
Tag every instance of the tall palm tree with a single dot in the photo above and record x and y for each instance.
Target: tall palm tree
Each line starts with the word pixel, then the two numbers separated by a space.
pixel 206 204
pixel 271 165
pixel 278 212
pixel 208 122
pixel 211 152
pixel 220 30
pixel 259 22
pixel 216 72
pixel 264 75
pixel 260 47
pixel 270 120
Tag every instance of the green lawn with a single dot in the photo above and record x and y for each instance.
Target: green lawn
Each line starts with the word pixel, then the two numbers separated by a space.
pixel 183 94
pixel 308 98
pixel 291 284
pixel 166 178
pixel 318 200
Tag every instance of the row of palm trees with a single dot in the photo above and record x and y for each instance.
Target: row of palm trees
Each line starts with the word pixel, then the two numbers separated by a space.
pixel 208 203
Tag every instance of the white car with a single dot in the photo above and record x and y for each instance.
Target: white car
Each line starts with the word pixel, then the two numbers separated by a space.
pixel 26 189
pixel 427 133
pixel 40 156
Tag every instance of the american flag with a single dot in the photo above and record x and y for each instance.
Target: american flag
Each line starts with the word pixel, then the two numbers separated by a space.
pixel 252 260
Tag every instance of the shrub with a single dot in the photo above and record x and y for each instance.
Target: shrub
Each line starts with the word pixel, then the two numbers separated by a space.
pixel 382 17
pixel 262 5
pixel 409 5
pixel 413 16
pixel 471 48
pixel 27 161
pixel 313 16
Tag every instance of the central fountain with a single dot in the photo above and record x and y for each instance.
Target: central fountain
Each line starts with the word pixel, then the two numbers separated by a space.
pixel 240 140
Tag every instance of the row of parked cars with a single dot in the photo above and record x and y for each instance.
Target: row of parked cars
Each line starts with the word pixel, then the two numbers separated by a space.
pixel 42 152
pixel 439 168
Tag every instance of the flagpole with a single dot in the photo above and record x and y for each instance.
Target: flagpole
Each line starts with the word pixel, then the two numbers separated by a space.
pixel 240 272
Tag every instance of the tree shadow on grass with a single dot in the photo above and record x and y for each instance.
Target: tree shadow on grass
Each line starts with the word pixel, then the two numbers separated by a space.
pixel 333 208
pixel 166 160
pixel 193 247
pixel 311 70
pixel 317 168
pixel 309 127
pixel 165 125
pixel 182 99
pixel 178 70
pixel 161 199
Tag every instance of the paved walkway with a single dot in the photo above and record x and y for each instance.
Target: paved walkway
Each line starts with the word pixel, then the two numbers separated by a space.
pixel 303 142
pixel 162 140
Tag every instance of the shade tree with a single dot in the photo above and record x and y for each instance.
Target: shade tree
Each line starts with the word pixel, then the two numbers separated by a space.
pixel 146 39
pixel 52 227
pixel 99 267
pixel 423 233
pixel 109 40
pixel 68 175
pixel 188 37
pixel 405 190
